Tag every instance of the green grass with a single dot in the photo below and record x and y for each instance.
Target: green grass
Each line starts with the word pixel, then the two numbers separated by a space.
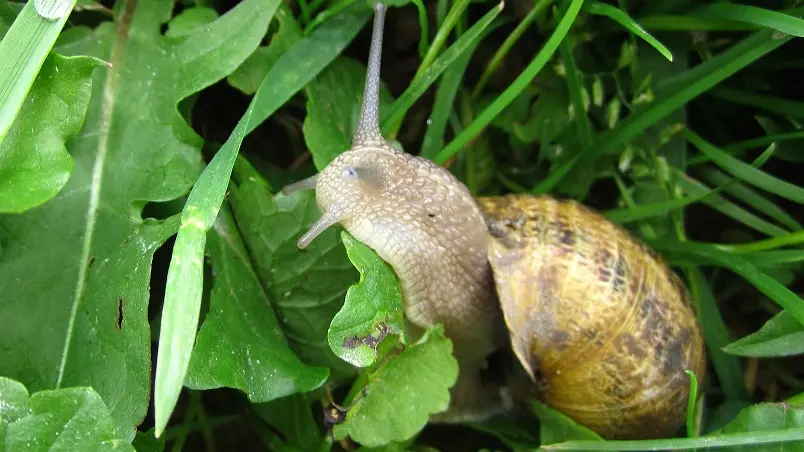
pixel 165 243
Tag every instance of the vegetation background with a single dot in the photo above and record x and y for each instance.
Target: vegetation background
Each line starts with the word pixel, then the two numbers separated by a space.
pixel 680 120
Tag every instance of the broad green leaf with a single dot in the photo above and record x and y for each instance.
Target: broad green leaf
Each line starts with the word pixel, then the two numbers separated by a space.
pixel 248 77
pixel 240 344
pixel 63 420
pixel 555 427
pixel 334 98
pixel 34 163
pixel 402 393
pixel 293 417
pixel 82 261
pixel 771 418
pixel 190 20
pixel 24 49
pixel 372 309
pixel 270 227
pixel 782 335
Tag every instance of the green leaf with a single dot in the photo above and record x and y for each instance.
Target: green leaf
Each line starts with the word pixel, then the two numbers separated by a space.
pixel 372 309
pixel 768 417
pixel 716 336
pixel 672 96
pixel 307 58
pixel 293 417
pixel 34 163
pixel 747 172
pixel 270 227
pixel 190 20
pixel 68 419
pixel 240 344
pixel 782 335
pixel 82 262
pixel 23 51
pixel 402 392
pixel 628 23
pixel 248 77
pixel 556 427
pixel 785 23
pixel 333 109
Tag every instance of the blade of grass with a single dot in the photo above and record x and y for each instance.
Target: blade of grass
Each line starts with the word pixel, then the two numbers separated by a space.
pixel 184 287
pixel 576 90
pixel 534 13
pixel 691 22
pixel 622 18
pixel 306 59
pixel 692 400
pixel 740 146
pixel 773 258
pixel 716 336
pixel 754 15
pixel 751 198
pixel 784 107
pixel 744 171
pixel 707 254
pixel 23 51
pixel 428 77
pixel 674 96
pixel 515 88
pixel 185 274
pixel 793 238
pixel 701 442
pixel 423 27
pixel 693 187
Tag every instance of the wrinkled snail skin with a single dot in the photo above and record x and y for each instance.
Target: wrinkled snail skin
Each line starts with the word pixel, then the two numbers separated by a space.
pixel 600 325
pixel 597 319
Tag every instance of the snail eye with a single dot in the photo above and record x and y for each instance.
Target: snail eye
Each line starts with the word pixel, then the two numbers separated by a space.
pixel 351 173
pixel 370 178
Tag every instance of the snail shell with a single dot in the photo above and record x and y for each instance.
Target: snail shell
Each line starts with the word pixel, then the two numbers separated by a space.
pixel 597 319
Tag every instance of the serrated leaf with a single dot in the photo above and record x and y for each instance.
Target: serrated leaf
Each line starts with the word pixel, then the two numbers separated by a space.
pixel 403 392
pixel 240 344
pixel 34 163
pixel 82 261
pixel 333 109
pixel 249 75
pixel 782 335
pixel 65 420
pixel 767 417
pixel 555 427
pixel 307 287
pixel 372 309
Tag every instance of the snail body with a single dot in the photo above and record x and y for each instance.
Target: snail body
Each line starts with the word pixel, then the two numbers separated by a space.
pixel 602 327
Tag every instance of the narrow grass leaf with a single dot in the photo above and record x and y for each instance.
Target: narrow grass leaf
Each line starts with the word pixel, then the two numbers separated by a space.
pixel 428 77
pixel 746 172
pixel 782 335
pixel 691 22
pixel 716 336
pixel 575 88
pixel 762 17
pixel 692 405
pixel 514 89
pixel 726 207
pixel 23 51
pixel 305 60
pixel 709 255
pixel 751 198
pixel 774 258
pixel 789 239
pixel 784 107
pixel 782 437
pixel 621 17
pixel 672 96
pixel 185 284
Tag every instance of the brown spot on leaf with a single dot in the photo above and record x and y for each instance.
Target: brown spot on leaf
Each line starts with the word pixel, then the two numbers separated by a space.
pixel 119 313
pixel 372 340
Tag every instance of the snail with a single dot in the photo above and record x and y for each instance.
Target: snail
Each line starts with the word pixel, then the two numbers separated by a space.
pixel 601 326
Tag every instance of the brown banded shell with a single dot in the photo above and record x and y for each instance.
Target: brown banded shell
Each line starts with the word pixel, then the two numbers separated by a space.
pixel 600 322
